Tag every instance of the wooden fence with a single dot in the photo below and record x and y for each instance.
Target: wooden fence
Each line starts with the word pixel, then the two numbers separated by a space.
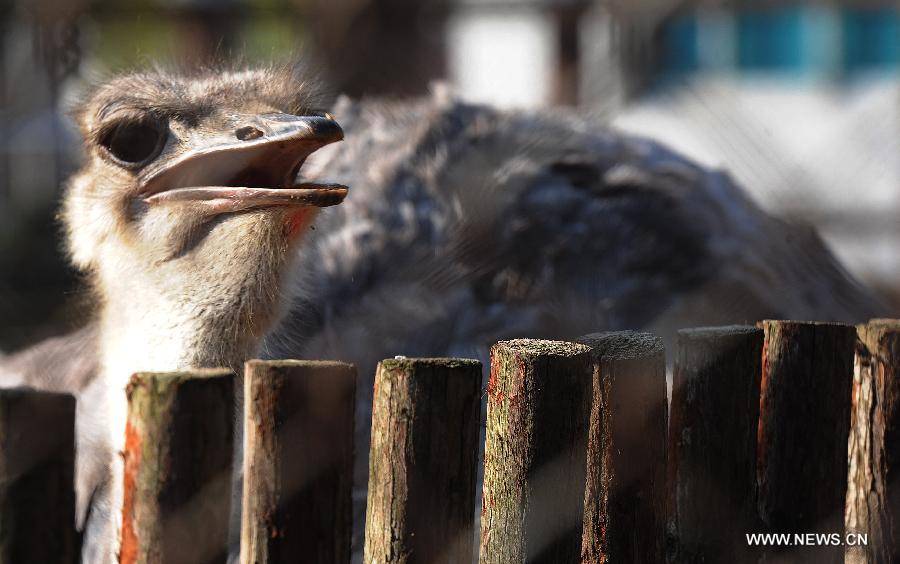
pixel 787 428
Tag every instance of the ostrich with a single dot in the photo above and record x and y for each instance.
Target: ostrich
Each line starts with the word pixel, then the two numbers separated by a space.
pixel 192 217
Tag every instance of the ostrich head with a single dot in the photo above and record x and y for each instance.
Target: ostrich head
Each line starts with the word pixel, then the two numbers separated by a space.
pixel 187 208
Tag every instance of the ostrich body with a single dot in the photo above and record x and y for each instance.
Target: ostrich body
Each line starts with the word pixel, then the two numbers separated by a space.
pixel 464 225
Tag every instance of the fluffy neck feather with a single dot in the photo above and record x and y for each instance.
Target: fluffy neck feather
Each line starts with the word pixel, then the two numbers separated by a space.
pixel 209 307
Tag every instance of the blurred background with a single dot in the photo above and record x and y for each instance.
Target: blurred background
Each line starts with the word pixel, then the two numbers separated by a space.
pixel 800 101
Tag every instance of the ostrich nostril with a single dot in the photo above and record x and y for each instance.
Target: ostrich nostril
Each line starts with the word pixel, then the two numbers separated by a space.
pixel 247 133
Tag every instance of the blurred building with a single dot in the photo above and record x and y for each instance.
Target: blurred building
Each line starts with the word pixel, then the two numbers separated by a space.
pixel 801 103
pixel 622 50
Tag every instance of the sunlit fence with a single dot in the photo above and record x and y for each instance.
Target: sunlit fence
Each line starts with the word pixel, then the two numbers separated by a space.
pixel 785 428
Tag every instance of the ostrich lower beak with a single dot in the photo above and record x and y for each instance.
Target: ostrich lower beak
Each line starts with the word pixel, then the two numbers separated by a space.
pixel 254 166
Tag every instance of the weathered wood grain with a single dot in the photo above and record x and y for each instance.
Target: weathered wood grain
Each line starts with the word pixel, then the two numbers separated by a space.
pixel 873 488
pixel 178 453
pixel 805 398
pixel 423 461
pixel 534 463
pixel 298 461
pixel 37 467
pixel 711 482
pixel 624 502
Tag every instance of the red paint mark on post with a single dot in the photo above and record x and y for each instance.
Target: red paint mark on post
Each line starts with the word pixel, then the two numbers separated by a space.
pixel 128 552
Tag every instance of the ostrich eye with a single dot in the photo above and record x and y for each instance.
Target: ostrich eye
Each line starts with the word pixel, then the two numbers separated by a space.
pixel 134 143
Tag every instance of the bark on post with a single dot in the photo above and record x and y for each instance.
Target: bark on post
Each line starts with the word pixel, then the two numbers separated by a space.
pixel 534 463
pixel 298 461
pixel 423 461
pixel 803 429
pixel 624 500
pixel 37 468
pixel 873 488
pixel 711 478
pixel 178 454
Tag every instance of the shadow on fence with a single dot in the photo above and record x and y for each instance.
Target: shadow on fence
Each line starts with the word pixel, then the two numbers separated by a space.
pixel 788 428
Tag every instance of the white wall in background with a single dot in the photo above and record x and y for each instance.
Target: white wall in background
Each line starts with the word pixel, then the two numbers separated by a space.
pixel 502 57
pixel 828 155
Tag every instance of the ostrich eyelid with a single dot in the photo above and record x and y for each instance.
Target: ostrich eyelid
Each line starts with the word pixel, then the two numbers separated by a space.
pixel 133 143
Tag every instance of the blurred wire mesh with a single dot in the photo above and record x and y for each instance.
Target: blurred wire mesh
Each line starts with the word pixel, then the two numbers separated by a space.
pixel 800 101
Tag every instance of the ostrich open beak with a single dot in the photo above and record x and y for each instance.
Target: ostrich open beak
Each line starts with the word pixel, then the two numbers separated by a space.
pixel 253 166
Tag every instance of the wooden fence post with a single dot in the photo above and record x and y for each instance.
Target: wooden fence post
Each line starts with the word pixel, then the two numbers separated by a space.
pixel 624 501
pixel 803 429
pixel 178 454
pixel 712 444
pixel 298 461
pixel 37 468
pixel 873 488
pixel 423 461
pixel 534 462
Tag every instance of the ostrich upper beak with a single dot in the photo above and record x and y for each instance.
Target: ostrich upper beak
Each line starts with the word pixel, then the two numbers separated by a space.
pixel 252 166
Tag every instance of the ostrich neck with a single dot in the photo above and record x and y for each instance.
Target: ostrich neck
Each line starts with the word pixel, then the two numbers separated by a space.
pixel 156 335
pixel 144 328
pixel 159 333
pixel 204 309
pixel 195 314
